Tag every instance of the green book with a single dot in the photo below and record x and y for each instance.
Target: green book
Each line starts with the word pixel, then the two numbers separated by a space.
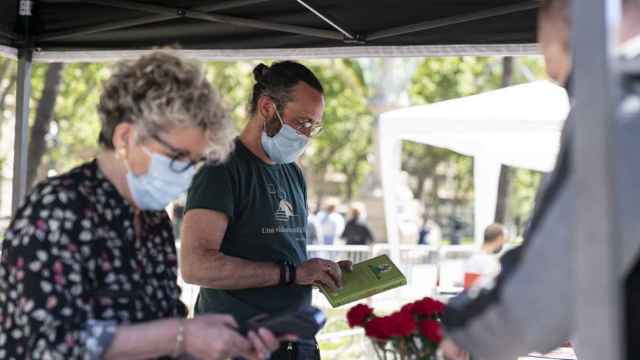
pixel 368 278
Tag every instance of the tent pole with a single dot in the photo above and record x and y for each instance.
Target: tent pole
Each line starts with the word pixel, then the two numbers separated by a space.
pixel 327 20
pixel 390 150
pixel 23 95
pixel 143 21
pixel 433 24
pixel 163 10
pixel 599 282
pixel 486 176
pixel 21 141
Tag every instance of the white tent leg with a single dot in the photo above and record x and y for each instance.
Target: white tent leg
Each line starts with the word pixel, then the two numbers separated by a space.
pixel 390 156
pixel 486 177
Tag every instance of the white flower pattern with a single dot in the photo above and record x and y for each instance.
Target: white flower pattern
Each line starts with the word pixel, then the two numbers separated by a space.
pixel 72 270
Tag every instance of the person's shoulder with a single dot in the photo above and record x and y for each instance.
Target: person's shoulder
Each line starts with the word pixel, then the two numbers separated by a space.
pixel 55 204
pixel 476 257
pixel 240 159
pixel 66 189
pixel 296 169
pixel 235 160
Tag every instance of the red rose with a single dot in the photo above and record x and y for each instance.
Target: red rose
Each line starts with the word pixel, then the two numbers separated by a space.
pixel 427 307
pixel 402 323
pixel 358 315
pixel 379 328
pixel 408 308
pixel 431 330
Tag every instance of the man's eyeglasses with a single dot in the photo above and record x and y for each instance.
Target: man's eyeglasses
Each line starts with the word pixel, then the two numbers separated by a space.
pixel 306 127
pixel 180 161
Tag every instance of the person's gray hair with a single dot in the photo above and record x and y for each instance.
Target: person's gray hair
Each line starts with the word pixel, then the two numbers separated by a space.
pixel 159 92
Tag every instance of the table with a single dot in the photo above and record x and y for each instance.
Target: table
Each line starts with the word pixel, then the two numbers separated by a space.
pixel 564 353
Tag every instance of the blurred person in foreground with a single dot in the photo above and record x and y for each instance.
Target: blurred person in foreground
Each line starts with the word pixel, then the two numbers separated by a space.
pixel 89 264
pixel 521 312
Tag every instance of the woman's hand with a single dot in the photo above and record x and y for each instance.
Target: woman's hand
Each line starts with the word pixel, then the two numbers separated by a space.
pixel 215 337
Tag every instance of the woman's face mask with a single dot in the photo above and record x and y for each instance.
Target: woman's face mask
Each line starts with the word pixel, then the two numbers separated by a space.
pixel 161 184
pixel 286 146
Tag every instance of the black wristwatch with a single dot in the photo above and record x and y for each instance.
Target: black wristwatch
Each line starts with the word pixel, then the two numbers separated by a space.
pixel 287 272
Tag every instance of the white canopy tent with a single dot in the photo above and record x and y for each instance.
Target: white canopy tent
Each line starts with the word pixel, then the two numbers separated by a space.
pixel 518 126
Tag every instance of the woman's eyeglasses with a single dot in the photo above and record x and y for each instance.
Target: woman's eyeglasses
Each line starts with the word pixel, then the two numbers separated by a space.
pixel 180 161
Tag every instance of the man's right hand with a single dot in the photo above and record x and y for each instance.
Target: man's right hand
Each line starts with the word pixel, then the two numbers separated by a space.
pixel 215 337
pixel 319 272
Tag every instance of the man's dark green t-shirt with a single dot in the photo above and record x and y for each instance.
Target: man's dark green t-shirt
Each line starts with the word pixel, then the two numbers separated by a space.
pixel 267 212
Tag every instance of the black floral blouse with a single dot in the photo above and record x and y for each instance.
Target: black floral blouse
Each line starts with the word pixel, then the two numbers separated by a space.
pixel 72 268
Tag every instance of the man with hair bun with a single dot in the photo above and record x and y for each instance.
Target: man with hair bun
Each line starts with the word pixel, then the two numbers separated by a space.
pixel 244 232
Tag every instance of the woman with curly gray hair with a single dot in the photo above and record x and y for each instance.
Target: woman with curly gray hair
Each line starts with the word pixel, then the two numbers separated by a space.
pixel 89 264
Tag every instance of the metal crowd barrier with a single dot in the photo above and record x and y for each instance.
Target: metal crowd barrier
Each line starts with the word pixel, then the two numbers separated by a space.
pixel 426 267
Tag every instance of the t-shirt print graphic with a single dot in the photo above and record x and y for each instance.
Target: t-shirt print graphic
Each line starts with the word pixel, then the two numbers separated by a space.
pixel 284 212
pixel 285 208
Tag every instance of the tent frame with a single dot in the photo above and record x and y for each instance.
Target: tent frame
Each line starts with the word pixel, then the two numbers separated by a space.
pixel 23 95
pixel 593 153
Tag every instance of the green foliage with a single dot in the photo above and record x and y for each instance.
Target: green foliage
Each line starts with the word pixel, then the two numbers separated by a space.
pixel 74 136
pixel 439 79
pixel 234 81
pixel 345 144
pixel 444 78
pixel 346 141
pixel 342 147
pixel 522 194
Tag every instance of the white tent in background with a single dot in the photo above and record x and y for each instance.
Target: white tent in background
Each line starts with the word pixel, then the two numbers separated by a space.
pixel 517 126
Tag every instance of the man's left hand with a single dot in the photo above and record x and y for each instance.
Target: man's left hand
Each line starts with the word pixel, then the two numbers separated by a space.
pixel 346 265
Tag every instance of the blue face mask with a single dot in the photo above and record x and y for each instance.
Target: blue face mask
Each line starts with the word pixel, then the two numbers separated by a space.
pixel 160 185
pixel 286 146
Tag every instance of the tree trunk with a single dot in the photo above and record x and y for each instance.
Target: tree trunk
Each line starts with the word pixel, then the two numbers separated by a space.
pixel 349 188
pixel 6 71
pixel 435 199
pixel 42 122
pixel 507 71
pixel 4 93
pixel 419 194
pixel 5 67
pixel 504 183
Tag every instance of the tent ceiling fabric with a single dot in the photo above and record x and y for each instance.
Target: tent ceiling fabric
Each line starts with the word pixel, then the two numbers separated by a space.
pixel 106 25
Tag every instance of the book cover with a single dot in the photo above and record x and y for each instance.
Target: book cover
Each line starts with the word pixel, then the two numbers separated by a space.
pixel 368 278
